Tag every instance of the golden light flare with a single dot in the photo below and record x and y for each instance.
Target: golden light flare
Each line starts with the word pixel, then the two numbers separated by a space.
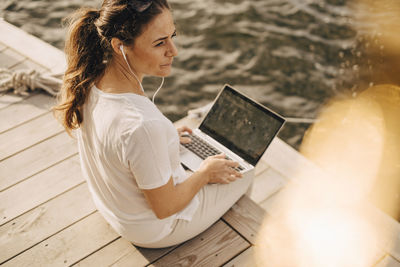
pixel 321 218
pixel 381 18
pixel 378 40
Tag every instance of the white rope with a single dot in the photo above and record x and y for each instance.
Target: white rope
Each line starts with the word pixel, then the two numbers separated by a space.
pixel 21 81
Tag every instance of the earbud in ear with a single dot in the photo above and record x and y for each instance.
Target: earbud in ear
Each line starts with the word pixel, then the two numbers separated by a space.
pixel 121 47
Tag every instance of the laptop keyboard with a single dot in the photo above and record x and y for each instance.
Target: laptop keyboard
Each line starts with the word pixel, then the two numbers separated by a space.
pixel 203 149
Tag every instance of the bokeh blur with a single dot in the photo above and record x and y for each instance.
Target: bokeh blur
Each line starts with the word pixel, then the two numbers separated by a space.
pixel 323 217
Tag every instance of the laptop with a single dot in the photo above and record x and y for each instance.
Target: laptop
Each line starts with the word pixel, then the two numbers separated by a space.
pixel 235 125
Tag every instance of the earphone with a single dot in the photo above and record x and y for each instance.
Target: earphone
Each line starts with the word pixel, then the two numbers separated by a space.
pixel 121 47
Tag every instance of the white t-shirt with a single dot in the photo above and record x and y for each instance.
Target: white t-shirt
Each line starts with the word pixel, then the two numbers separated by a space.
pixel 126 144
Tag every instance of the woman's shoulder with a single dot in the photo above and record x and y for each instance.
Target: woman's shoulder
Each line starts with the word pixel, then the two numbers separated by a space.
pixel 128 114
pixel 145 126
pixel 119 106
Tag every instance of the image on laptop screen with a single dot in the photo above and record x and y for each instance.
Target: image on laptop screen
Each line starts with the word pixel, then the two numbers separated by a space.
pixel 242 125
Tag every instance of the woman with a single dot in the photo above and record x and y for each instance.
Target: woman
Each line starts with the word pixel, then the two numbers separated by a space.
pixel 129 151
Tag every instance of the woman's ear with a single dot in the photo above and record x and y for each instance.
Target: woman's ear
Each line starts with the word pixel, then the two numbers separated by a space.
pixel 116 45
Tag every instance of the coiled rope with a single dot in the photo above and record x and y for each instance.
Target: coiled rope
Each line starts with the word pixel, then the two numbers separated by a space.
pixel 23 81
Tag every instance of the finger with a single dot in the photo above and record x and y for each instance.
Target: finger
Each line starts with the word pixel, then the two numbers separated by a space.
pixel 229 170
pixel 232 163
pixel 234 172
pixel 185 140
pixel 232 178
pixel 189 130
pixel 238 174
pixel 219 156
pixel 184 129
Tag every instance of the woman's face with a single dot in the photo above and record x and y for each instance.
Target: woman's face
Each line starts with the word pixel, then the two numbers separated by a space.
pixel 154 50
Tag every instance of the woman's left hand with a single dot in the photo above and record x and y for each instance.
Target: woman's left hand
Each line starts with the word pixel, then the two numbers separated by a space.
pixel 182 132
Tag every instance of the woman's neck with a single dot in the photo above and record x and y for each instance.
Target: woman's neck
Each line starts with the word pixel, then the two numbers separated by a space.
pixel 117 79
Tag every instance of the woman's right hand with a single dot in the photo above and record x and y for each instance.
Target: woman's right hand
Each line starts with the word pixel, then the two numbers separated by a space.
pixel 220 170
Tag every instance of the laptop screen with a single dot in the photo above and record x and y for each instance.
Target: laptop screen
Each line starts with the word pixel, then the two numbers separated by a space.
pixel 242 125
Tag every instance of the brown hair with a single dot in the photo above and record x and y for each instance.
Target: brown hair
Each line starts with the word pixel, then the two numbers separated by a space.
pixel 88 49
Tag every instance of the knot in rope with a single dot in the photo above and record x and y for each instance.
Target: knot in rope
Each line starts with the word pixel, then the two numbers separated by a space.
pixel 24 80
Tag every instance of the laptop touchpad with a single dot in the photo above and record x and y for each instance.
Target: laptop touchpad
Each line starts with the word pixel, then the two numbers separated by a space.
pixel 189 159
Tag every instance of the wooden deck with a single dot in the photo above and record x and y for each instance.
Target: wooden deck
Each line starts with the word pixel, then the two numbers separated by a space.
pixel 47 217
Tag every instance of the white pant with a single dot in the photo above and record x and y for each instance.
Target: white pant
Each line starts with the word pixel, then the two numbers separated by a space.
pixel 215 200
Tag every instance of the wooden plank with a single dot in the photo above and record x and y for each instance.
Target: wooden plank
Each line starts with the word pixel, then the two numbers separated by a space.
pixel 388 261
pixel 9 98
pixel 244 259
pixel 268 204
pixel 2 46
pixel 36 159
pixel 44 221
pixel 23 111
pixel 119 250
pixel 28 134
pixel 388 231
pixel 395 247
pixel 70 245
pixel 266 184
pixel 32 47
pixel 286 160
pixel 40 188
pixel 245 217
pixel 261 167
pixel 9 57
pixel 28 64
pixel 150 254
pixel 214 247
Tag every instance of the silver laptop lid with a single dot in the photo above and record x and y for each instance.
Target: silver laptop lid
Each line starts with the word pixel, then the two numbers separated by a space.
pixel 241 124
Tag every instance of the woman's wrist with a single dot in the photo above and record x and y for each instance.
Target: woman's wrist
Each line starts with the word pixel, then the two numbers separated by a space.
pixel 204 175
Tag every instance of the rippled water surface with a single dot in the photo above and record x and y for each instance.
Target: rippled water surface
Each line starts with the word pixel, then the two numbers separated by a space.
pixel 291 55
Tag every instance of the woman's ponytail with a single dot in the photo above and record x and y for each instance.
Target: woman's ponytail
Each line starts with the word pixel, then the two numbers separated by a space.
pixel 85 63
pixel 88 50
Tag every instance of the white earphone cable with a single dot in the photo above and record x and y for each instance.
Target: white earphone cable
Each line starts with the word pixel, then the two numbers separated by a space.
pixel 123 54
pixel 154 96
pixel 141 86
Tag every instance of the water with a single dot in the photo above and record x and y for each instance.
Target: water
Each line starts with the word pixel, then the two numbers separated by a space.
pixel 291 55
